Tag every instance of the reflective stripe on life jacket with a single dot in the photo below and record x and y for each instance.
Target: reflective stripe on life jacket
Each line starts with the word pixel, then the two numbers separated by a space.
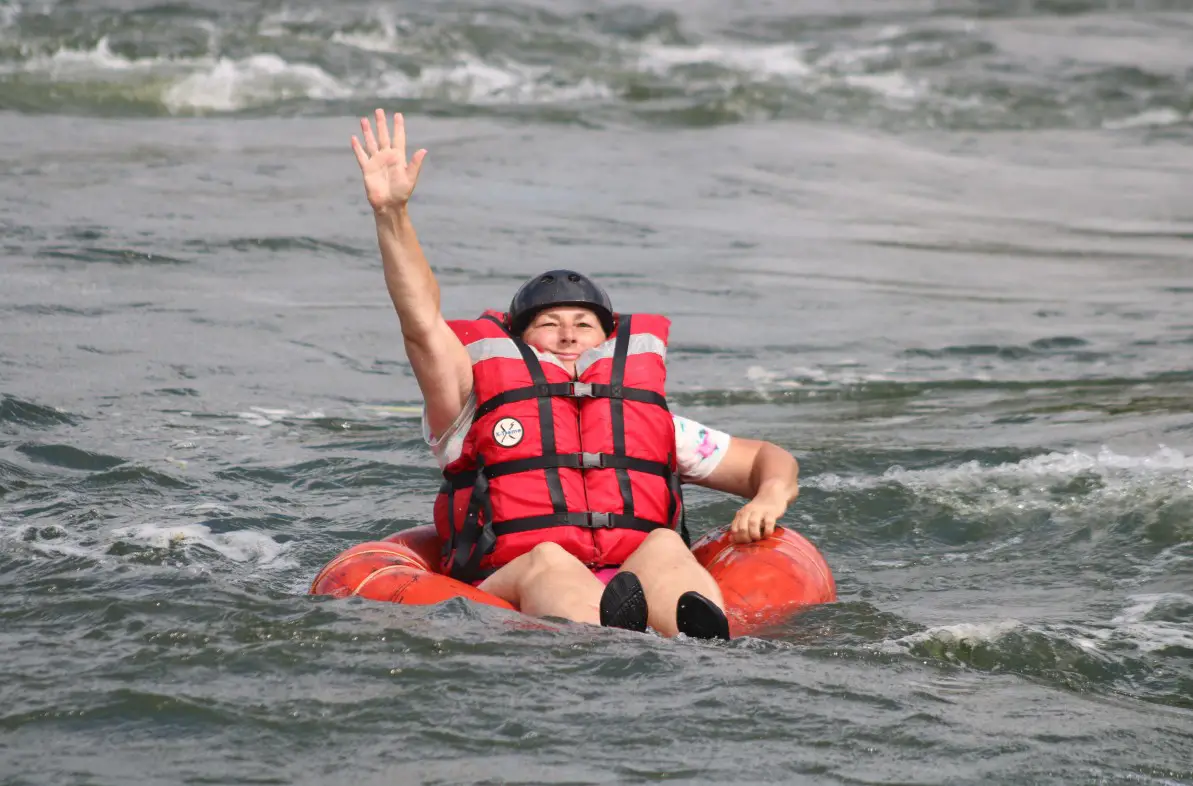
pixel 586 462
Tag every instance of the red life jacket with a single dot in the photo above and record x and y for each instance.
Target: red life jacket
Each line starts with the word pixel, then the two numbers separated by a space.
pixel 586 462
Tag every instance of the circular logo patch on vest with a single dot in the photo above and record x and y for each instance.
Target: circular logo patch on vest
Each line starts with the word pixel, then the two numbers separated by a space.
pixel 508 432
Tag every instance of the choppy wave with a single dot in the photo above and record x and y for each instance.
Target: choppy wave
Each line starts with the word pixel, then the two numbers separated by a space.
pixel 1018 388
pixel 1140 647
pixel 158 541
pixel 1141 651
pixel 1129 507
pixel 18 412
pixel 942 70
pixel 1106 465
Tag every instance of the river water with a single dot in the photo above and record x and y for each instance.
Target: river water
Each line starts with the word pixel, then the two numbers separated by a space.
pixel 939 250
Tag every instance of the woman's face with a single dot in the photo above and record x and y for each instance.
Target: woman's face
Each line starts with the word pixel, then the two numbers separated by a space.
pixel 566 332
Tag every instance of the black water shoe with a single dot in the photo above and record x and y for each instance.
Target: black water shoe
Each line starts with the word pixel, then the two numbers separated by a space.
pixel 699 618
pixel 623 603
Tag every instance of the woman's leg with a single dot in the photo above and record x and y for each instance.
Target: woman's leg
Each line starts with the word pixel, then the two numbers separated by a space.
pixel 547 581
pixel 667 569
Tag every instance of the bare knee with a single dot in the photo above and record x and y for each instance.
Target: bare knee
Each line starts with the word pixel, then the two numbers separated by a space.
pixel 661 548
pixel 667 539
pixel 551 557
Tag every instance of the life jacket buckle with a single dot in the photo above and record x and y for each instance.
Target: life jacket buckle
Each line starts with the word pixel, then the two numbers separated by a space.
pixel 601 520
pixel 581 390
pixel 592 460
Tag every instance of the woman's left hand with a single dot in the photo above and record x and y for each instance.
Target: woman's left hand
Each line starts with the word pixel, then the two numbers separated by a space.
pixel 756 519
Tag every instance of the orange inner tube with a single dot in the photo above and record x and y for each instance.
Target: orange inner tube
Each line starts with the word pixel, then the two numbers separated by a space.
pixel 763 582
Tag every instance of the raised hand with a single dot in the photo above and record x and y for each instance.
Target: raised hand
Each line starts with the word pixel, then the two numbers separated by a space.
pixel 389 178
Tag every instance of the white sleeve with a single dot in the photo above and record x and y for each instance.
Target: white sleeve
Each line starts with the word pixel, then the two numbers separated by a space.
pixel 698 449
pixel 448 447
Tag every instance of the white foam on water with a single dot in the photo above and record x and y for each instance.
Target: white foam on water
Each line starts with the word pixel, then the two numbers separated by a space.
pixel 384 39
pixel 274 25
pixel 267 416
pixel 1151 118
pixel 8 14
pixel 1152 635
pixel 314 414
pixel 204 507
pixel 887 563
pixel 894 85
pixel 867 67
pixel 1091 640
pixel 395 411
pixel 763 381
pixel 280 413
pixel 844 373
pixel 1131 628
pixel 67 63
pixel 254 419
pixel 810 374
pixel 856 60
pixel 209 84
pixel 1105 642
pixel 862 68
pixel 230 85
pixel 1169 562
pixel 471 80
pixel 761 374
pixel 194 84
pixel 962 633
pixel 1074 489
pixel 972 476
pixel 888 32
pixel 778 60
pixel 60 547
pixel 242 546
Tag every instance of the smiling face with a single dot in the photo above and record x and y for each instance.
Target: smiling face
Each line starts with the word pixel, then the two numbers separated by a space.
pixel 565 332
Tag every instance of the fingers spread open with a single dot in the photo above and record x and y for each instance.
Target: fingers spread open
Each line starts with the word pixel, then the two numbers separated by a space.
pixel 367 133
pixel 416 163
pixel 399 134
pixel 361 157
pixel 382 129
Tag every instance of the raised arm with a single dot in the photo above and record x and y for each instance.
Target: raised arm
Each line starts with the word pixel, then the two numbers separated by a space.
pixel 440 361
pixel 763 473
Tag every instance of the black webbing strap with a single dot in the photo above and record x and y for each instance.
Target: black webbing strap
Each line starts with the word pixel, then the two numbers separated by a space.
pixel 570 390
pixel 496 322
pixel 578 461
pixel 676 506
pixel 585 520
pixel 621 351
pixel 476 538
pixel 546 426
pixel 449 490
pixel 458 480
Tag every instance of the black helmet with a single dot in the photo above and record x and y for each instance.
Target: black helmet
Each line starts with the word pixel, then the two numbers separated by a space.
pixel 558 288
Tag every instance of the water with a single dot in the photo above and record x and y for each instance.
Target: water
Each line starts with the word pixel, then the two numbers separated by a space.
pixel 941 251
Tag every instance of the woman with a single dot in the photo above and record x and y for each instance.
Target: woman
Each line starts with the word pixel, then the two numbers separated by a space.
pixel 566 320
